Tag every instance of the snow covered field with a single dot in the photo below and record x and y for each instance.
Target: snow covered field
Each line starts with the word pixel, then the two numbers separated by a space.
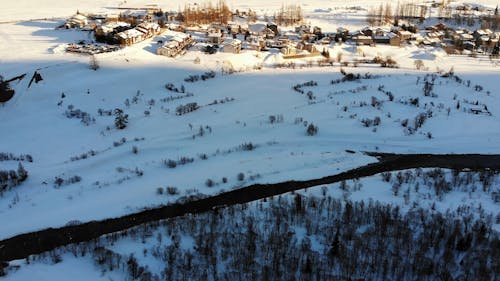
pixel 123 171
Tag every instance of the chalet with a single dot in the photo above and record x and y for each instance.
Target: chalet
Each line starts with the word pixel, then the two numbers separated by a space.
pixel 325 40
pixel 259 29
pixel 363 40
pixel 274 28
pixel 387 38
pixel 176 45
pixel 289 50
pixel 232 46
pixel 76 21
pixel 342 34
pixel 252 46
pixel 431 41
pixel 307 47
pixel 469 45
pixel 303 29
pixel 482 33
pixel 367 31
pixel 130 36
pixel 234 28
pixel 404 35
pixel 111 27
pixel 148 28
pixel 215 37
pixel 269 33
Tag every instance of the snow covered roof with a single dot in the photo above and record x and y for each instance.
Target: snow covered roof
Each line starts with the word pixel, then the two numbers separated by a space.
pixel 79 17
pixel 362 37
pixel 214 34
pixel 149 25
pixel 135 13
pixel 257 27
pixel 171 45
pixel 113 24
pixel 234 42
pixel 131 33
pixel 466 36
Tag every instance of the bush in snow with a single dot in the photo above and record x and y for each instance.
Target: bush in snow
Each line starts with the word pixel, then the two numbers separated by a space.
pixel 121 119
pixel 12 178
pixel 84 117
pixel 312 130
pixel 209 183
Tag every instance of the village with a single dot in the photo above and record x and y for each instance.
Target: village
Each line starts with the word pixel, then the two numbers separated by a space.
pixel 217 29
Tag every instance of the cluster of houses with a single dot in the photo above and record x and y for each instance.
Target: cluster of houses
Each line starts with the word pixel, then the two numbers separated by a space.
pixel 456 40
pixel 134 26
pixel 122 33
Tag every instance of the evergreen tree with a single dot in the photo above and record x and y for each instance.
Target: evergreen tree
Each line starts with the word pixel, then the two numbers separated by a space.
pixel 121 120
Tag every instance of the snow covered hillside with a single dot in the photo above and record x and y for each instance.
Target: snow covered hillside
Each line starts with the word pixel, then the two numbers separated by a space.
pixel 248 127
pixel 143 130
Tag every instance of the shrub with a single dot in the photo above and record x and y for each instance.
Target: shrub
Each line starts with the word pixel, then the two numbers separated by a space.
pixel 171 190
pixel 312 130
pixel 159 190
pixel 240 176
pixel 93 64
pixel 170 163
pixel 209 183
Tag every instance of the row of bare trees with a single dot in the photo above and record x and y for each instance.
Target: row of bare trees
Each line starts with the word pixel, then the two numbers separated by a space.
pixel 289 15
pixel 387 15
pixel 206 13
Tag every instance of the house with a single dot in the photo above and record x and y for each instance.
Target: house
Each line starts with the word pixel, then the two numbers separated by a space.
pixel 367 31
pixel 215 36
pixel 303 29
pixel 307 47
pixel 148 28
pixel 289 50
pixel 255 43
pixel 76 21
pixel 469 45
pixel 404 35
pixel 274 28
pixel 232 46
pixel 176 45
pixel 387 38
pixel 111 27
pixel 130 36
pixel 363 40
pixel 325 40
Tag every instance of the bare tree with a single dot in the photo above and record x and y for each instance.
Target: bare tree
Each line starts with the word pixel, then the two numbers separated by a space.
pixel 93 64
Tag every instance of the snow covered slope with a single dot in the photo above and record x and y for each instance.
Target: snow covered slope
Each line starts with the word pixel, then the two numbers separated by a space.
pixel 94 171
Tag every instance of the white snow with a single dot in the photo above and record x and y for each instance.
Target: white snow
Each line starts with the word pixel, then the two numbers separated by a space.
pixel 33 123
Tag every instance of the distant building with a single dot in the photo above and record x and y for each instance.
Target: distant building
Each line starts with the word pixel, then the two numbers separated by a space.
pixel 289 50
pixel 76 21
pixel 215 36
pixel 130 36
pixel 232 46
pixel 363 40
pixel 176 45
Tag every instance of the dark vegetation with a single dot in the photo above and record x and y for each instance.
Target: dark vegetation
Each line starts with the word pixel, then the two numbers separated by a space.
pixel 298 237
pixel 44 240
pixel 12 178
